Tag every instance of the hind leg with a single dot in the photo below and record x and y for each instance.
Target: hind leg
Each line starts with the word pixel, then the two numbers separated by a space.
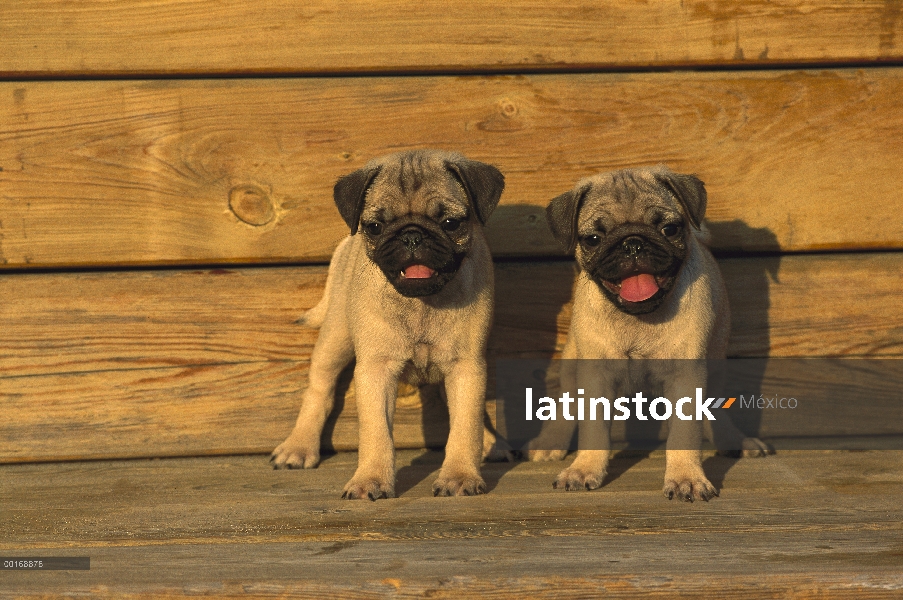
pixel 723 433
pixel 554 439
pixel 730 441
pixel 590 466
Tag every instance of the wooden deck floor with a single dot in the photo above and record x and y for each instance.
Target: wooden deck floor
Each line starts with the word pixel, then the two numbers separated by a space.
pixel 800 524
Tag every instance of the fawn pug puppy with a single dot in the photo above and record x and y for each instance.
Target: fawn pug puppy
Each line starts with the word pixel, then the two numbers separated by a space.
pixel 409 296
pixel 647 288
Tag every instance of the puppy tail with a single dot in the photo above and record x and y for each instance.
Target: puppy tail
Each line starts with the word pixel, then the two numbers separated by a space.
pixel 315 316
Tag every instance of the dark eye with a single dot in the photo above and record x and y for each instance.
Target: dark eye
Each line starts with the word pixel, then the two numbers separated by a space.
pixel 591 240
pixel 374 228
pixel 670 230
pixel 450 224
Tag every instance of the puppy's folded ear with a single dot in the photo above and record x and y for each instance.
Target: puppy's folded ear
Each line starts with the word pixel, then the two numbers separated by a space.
pixel 350 192
pixel 483 184
pixel 561 214
pixel 689 191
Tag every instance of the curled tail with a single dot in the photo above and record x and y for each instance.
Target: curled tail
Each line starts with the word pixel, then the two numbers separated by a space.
pixel 315 316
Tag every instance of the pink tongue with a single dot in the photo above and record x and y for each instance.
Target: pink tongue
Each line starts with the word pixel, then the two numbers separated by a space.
pixel 418 272
pixel 638 288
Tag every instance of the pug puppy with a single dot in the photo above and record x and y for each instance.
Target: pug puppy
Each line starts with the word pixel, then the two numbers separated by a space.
pixel 647 287
pixel 409 296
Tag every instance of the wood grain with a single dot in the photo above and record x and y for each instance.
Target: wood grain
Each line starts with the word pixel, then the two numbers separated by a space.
pixel 92 37
pixel 155 168
pixel 233 527
pixel 130 172
pixel 163 363
pixel 830 305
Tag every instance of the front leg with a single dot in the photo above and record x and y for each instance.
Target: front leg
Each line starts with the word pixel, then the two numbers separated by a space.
pixel 465 388
pixel 376 387
pixel 684 477
pixel 332 353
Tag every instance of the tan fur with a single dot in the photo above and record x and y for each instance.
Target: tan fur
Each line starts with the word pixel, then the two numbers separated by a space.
pixel 393 337
pixel 693 321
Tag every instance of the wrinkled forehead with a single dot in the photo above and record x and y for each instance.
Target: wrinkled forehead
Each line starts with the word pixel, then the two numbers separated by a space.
pixel 415 185
pixel 629 196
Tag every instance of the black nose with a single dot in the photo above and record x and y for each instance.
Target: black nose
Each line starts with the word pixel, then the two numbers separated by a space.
pixel 633 245
pixel 411 238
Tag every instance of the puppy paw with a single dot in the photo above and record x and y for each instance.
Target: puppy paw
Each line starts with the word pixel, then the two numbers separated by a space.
pixel 295 453
pixel 458 485
pixel 546 455
pixel 689 489
pixel 755 448
pixel 370 488
pixel 750 447
pixel 572 479
pixel 495 449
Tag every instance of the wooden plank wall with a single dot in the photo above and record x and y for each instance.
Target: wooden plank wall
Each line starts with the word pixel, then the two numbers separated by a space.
pixel 166 167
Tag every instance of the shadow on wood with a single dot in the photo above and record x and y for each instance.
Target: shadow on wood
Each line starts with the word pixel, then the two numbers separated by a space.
pixel 752 290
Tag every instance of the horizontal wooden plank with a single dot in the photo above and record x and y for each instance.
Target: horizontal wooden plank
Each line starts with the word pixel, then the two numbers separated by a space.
pixel 125 172
pixel 145 488
pixel 203 410
pixel 790 306
pixel 454 569
pixel 233 527
pixel 817 305
pixel 56 37
pixel 163 363
pixel 133 320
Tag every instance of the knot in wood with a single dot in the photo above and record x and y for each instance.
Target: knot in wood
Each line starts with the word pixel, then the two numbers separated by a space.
pixel 251 204
pixel 507 108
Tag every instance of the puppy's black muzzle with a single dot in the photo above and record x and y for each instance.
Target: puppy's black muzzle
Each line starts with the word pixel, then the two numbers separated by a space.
pixel 422 244
pixel 633 246
pixel 630 250
pixel 411 237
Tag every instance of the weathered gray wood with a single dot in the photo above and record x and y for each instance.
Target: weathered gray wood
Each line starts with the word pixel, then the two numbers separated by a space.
pixel 824 524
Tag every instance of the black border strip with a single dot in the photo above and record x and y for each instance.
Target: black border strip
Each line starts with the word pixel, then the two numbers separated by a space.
pixel 444 71
pixel 222 268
